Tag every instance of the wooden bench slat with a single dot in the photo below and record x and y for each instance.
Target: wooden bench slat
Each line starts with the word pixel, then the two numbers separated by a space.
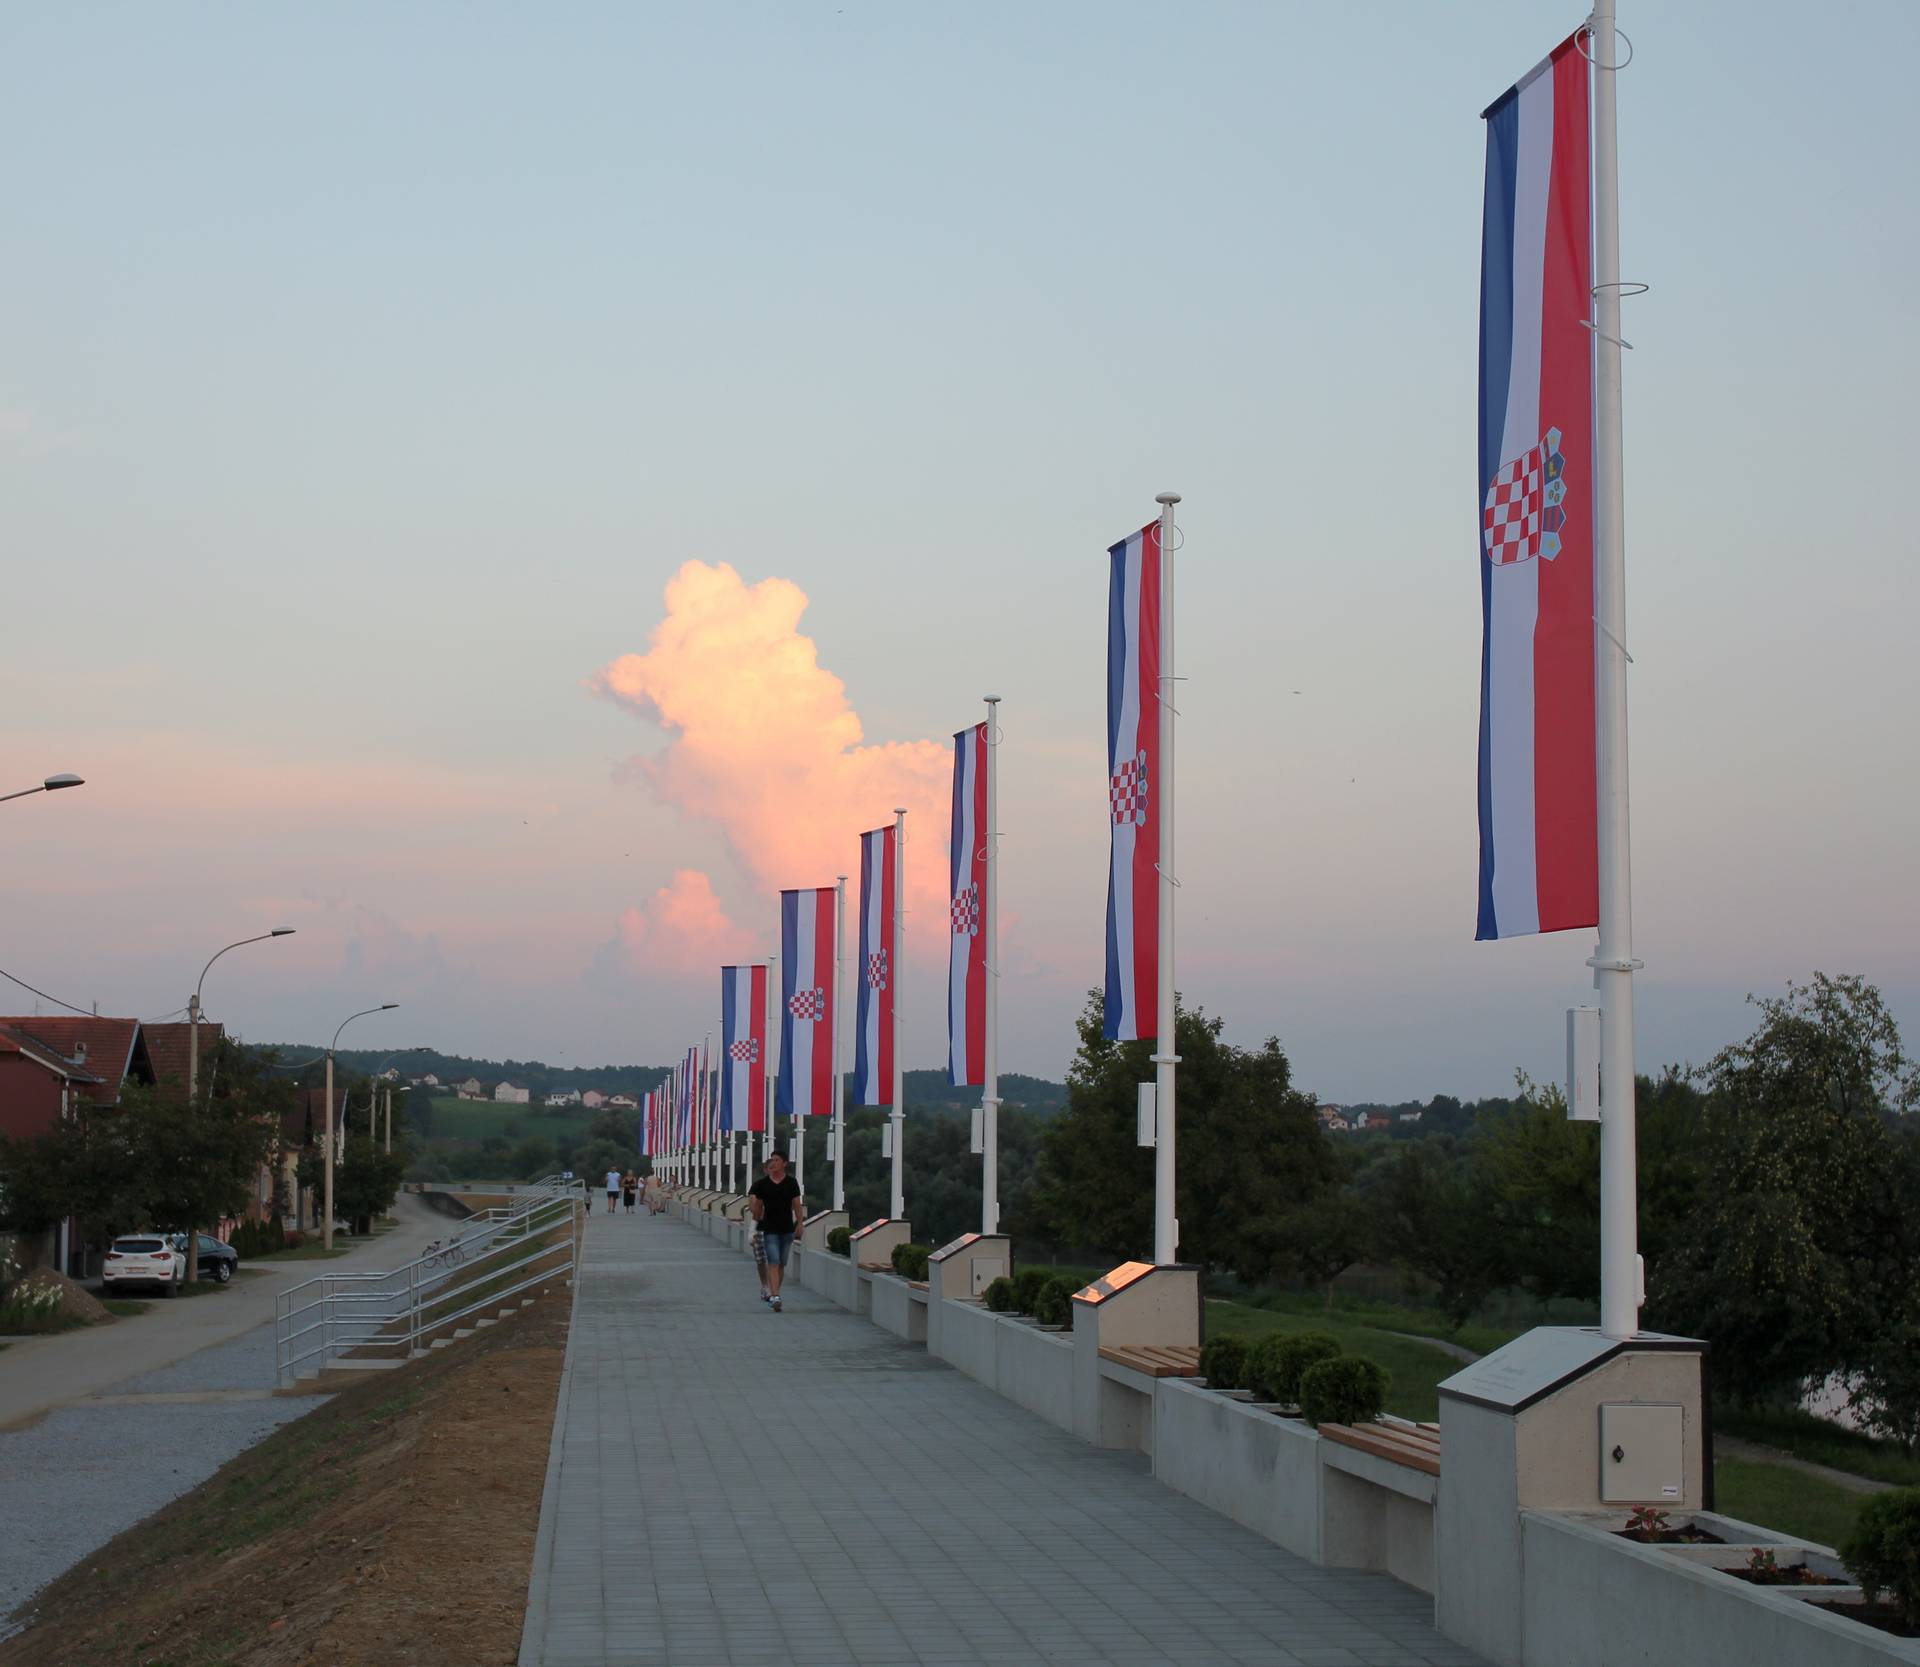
pixel 1386 1442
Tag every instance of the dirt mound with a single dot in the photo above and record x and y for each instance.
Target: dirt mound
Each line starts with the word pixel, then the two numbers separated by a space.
pixel 394 1524
pixel 72 1302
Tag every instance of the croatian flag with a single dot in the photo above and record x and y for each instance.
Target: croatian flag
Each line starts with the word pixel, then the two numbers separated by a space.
pixel 1539 863
pixel 966 913
pixel 690 1098
pixel 806 1013
pixel 873 1001
pixel 743 1048
pixel 646 1124
pixel 1133 787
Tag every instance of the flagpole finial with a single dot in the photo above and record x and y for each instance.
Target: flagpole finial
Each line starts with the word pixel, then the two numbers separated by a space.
pixel 1167 498
pixel 991 700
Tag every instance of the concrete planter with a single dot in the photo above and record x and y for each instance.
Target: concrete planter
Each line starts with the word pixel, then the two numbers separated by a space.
pixel 1240 1460
pixel 895 1307
pixel 1034 1368
pixel 970 1341
pixel 1592 1598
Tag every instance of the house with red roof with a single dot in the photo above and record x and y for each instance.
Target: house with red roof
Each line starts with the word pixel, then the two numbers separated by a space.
pixel 49 1068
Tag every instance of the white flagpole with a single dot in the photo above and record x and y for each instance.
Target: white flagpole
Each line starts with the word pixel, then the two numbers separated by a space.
pixel 709 1137
pixel 1166 1230
pixel 839 1005
pixel 990 1092
pixel 1613 963
pixel 896 963
pixel 726 1135
pixel 773 1051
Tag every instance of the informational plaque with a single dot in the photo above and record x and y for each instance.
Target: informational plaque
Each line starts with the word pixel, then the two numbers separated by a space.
pixel 1532 1365
pixel 1112 1283
pixel 953 1248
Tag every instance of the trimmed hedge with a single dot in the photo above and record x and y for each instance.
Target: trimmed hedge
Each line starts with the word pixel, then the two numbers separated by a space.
pixel 1883 1551
pixel 1348 1390
pixel 1054 1304
pixel 258 1238
pixel 998 1296
pixel 1277 1362
pixel 1027 1285
pixel 910 1260
pixel 1223 1362
pixel 839 1240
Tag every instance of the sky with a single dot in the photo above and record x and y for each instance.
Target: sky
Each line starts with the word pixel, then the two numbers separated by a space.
pixel 504 490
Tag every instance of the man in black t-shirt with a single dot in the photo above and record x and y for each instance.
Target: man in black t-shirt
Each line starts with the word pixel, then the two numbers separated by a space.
pixel 775 1202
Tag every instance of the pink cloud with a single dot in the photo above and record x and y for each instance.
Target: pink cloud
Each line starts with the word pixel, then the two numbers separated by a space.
pixel 765 744
pixel 683 926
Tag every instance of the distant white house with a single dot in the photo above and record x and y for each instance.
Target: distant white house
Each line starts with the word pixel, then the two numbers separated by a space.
pixel 622 1102
pixel 593 1099
pixel 390 1074
pixel 1335 1120
pixel 570 1098
pixel 511 1094
pixel 470 1089
pixel 429 1081
pixel 1411 1116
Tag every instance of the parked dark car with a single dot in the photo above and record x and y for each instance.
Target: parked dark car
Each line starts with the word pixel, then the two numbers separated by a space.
pixel 217 1260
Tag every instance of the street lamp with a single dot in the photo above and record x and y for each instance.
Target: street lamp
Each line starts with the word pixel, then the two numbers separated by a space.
pixel 373 1099
pixel 326 1201
pixel 52 784
pixel 193 1007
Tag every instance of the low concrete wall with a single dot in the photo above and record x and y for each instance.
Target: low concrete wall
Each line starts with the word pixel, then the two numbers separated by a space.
pixel 1592 1599
pixel 970 1341
pixel 1034 1369
pixel 896 1310
pixel 1234 1458
pixel 1375 1514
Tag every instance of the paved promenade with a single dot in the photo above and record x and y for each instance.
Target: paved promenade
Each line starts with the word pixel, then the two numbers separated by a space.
pixel 736 1488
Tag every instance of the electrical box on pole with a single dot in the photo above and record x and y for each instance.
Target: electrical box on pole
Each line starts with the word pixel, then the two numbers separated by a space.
pixel 886 1138
pixel 1144 1115
pixel 1583 1064
pixel 978 1143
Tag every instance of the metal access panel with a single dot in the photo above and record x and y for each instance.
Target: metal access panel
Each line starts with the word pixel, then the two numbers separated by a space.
pixel 985 1273
pixel 1640 1454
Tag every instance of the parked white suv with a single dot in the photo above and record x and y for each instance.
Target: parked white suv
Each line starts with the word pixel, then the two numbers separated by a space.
pixel 144 1259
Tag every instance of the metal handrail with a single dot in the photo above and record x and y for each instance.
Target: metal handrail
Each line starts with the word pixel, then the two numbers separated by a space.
pixel 334 1313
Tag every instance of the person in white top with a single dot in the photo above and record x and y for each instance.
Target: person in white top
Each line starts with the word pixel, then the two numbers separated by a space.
pixel 613 1190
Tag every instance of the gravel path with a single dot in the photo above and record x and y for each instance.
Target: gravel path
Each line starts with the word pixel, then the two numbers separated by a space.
pixel 85 1473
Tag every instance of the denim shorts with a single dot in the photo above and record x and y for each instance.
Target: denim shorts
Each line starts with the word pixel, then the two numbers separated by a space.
pixel 778 1244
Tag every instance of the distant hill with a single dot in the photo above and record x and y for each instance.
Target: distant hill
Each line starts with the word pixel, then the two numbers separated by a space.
pixel 926 1090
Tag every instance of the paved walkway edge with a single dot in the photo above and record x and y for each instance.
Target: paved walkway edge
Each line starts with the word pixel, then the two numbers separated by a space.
pixel 533 1629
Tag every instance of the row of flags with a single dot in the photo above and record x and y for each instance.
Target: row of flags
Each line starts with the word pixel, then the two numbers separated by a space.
pixel 1539 735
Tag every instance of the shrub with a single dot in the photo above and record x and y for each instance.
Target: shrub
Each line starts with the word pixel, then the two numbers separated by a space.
pixel 1054 1304
pixel 35 1310
pixel 1275 1363
pixel 292 1239
pixel 1883 1551
pixel 1027 1285
pixel 910 1260
pixel 1350 1389
pixel 840 1240
pixel 999 1295
pixel 1223 1362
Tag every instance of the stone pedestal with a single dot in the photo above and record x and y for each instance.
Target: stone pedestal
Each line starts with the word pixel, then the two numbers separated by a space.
pixel 961 1271
pixel 1137 1304
pixel 1561 1419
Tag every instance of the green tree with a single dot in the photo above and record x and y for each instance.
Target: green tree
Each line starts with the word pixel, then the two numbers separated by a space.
pixel 1796 1250
pixel 365 1181
pixel 1433 1220
pixel 1251 1149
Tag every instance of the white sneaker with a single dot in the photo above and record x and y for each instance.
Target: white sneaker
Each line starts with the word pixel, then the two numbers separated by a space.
pixel 774 1304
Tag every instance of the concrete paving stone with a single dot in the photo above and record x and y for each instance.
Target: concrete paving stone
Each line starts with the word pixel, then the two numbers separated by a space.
pixel 731 1492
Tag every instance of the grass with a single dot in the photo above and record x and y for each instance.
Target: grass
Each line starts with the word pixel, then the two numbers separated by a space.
pixel 478 1120
pixel 312 1250
pixel 125 1308
pixel 1381 1316
pixel 1808 1437
pixel 1415 1368
pixel 1787 1501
